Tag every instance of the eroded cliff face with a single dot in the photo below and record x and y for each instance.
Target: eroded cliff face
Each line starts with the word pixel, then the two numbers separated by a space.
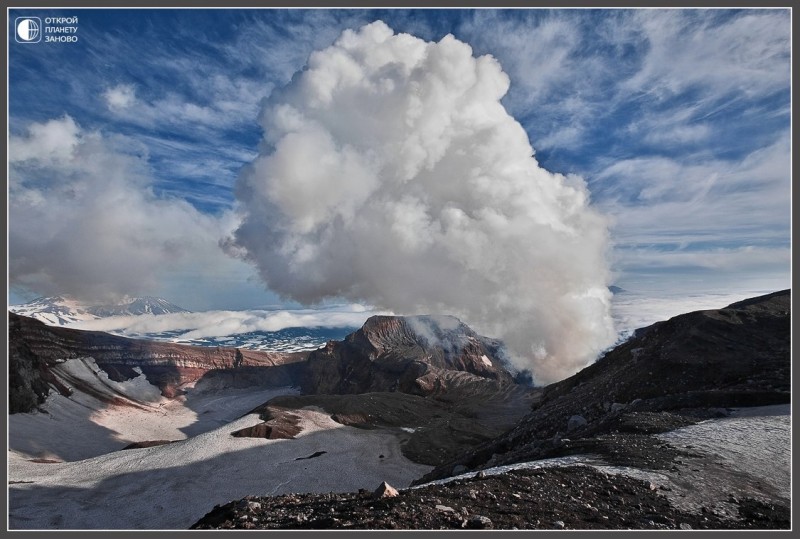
pixel 54 343
pixel 34 348
pixel 420 355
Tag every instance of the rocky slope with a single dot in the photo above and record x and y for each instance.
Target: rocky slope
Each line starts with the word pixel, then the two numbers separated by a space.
pixel 669 375
pixel 431 430
pixel 35 349
pixel 673 372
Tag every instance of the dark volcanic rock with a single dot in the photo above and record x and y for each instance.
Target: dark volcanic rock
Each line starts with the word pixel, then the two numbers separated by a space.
pixel 570 498
pixel 415 354
pixel 29 379
pixel 668 374
pixel 279 424
pixel 430 375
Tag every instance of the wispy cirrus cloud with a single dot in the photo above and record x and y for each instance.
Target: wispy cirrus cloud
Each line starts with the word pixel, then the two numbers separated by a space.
pixel 710 218
pixel 720 51
pixel 662 199
pixel 678 119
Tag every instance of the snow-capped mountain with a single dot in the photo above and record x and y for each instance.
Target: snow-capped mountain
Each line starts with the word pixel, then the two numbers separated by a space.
pixel 135 306
pixel 63 310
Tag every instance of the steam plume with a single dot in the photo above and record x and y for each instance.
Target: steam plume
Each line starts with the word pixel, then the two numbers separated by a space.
pixel 390 173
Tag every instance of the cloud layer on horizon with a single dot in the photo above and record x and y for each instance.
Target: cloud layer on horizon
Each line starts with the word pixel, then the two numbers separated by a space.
pixel 207 324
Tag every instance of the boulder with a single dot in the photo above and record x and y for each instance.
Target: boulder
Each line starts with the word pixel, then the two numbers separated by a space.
pixel 479 522
pixel 385 490
pixel 575 422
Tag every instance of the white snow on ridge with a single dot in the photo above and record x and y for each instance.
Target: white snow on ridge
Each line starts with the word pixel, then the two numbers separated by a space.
pixel 137 390
pixel 54 311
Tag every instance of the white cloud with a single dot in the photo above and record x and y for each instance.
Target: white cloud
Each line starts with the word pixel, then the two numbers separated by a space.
pixel 718 220
pixel 120 97
pixel 575 70
pixel 390 173
pixel 720 260
pixel 661 200
pixel 679 134
pixel 537 51
pixel 746 53
pixel 84 220
pixel 52 142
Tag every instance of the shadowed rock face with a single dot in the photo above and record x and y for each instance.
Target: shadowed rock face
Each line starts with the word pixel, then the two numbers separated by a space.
pixel 415 354
pixel 35 347
pixel 704 360
pixel 29 378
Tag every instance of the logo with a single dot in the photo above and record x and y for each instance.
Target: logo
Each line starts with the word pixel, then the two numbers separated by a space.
pixel 29 29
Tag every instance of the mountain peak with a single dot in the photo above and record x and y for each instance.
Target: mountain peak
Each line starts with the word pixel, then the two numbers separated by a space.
pixel 62 310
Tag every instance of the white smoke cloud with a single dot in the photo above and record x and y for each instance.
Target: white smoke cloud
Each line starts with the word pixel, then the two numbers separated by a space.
pixel 84 219
pixel 390 173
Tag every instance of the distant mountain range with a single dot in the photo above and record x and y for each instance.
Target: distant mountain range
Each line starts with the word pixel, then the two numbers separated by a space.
pixel 63 310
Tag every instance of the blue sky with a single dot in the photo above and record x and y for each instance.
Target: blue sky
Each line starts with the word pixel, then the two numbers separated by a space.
pixel 677 120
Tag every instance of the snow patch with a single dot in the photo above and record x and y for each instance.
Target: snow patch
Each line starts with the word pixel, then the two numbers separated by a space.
pixel 172 486
pixel 486 360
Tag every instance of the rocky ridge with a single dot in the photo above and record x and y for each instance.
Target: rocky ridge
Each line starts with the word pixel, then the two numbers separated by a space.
pixel 414 354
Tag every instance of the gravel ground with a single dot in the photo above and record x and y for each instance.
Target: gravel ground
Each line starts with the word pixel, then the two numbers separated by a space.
pixel 573 497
